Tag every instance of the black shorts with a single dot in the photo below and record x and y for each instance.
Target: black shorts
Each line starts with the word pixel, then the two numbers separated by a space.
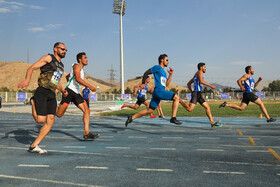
pixel 72 97
pixel 140 100
pixel 45 101
pixel 87 101
pixel 197 97
pixel 247 97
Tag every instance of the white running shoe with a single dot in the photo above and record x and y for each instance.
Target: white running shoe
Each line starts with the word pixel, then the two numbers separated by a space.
pixel 37 149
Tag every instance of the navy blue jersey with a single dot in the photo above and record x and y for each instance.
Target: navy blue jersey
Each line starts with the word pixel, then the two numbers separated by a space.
pixel 142 92
pixel 197 85
pixel 160 77
pixel 249 85
pixel 86 91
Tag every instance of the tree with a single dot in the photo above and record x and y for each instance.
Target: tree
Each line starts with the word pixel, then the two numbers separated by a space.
pixel 128 91
pixel 115 91
pixel 183 91
pixel 4 89
pixel 274 86
pixel 174 90
pixel 266 89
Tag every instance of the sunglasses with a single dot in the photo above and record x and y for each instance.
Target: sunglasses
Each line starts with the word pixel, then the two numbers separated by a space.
pixel 62 48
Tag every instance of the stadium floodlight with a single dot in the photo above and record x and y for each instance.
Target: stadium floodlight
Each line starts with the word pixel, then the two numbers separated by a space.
pixel 119 8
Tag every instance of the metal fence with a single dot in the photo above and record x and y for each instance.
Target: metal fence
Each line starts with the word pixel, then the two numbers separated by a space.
pixel 14 96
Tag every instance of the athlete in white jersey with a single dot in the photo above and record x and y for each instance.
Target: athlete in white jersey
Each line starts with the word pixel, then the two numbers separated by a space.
pixel 75 80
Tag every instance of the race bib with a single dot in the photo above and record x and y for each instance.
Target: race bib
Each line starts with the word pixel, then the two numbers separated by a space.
pixel 56 76
pixel 163 81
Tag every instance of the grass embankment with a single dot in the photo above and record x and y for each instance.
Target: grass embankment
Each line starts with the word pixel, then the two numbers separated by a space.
pixel 252 110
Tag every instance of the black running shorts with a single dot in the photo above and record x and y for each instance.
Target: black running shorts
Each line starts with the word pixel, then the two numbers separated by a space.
pixel 140 100
pixel 247 97
pixel 72 97
pixel 45 101
pixel 197 97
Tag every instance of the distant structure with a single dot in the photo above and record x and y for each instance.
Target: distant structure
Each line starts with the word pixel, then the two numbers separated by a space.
pixel 112 74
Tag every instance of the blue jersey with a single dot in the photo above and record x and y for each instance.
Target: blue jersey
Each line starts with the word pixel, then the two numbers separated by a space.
pixel 142 92
pixel 249 85
pixel 197 85
pixel 85 93
pixel 160 77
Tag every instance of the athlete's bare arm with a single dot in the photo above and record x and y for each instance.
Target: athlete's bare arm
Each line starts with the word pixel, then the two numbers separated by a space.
pixel 190 85
pixel 60 88
pixel 77 69
pixel 41 62
pixel 136 89
pixel 243 78
pixel 257 83
pixel 170 71
pixel 200 77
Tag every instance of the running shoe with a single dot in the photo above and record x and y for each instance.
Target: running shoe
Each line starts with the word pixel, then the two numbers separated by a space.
pixel 123 106
pixel 223 105
pixel 174 120
pixel 129 120
pixel 91 136
pixel 271 120
pixel 216 125
pixel 37 149
pixel 153 116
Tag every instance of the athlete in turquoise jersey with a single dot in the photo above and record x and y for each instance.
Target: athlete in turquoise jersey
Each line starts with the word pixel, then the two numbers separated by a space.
pixel 248 95
pixel 159 93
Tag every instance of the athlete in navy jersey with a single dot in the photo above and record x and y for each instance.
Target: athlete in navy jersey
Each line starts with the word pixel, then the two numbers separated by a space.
pixel 44 102
pixel 248 95
pixel 159 93
pixel 196 93
pixel 141 98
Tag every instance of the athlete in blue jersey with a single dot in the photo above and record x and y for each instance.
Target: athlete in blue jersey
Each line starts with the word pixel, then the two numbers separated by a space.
pixel 196 93
pixel 248 95
pixel 159 93
pixel 141 98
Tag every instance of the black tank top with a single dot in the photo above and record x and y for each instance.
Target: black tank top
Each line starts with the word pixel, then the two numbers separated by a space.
pixel 51 74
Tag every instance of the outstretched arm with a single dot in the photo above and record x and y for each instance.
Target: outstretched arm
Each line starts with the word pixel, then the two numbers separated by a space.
pixel 257 83
pixel 239 81
pixel 170 71
pixel 190 85
pixel 41 62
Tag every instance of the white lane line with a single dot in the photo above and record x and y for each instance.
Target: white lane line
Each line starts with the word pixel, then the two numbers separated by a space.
pixel 90 167
pixel 257 151
pixel 210 150
pixel 149 169
pixel 107 136
pixel 247 138
pixel 175 137
pixel 242 163
pixel 225 172
pixel 137 137
pixel 167 149
pixel 278 174
pixel 118 147
pixel 73 125
pixel 208 138
pixel 44 180
pixel 76 147
pixel 35 166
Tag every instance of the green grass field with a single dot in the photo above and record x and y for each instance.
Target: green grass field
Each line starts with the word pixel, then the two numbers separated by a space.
pixel 252 110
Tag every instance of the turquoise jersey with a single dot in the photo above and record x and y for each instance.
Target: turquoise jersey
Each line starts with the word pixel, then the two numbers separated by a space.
pixel 159 76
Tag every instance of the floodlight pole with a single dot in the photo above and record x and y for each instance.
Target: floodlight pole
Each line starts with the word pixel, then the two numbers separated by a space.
pixel 121 55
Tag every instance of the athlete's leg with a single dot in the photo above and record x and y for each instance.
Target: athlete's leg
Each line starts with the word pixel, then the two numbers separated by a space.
pixel 185 105
pixel 262 107
pixel 142 113
pixel 38 118
pixel 86 117
pixel 61 109
pixel 236 107
pixel 208 112
pixel 159 111
pixel 135 107
pixel 175 105
pixel 44 130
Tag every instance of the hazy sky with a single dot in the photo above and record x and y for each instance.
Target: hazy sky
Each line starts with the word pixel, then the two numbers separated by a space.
pixel 225 34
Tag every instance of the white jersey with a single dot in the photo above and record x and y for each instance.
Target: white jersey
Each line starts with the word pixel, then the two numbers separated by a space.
pixel 72 83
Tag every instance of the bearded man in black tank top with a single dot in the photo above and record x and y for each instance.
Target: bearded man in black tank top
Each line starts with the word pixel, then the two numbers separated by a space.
pixel 44 102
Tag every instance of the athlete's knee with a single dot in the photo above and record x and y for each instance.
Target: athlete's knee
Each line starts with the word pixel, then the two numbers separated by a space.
pixel 40 121
pixel 241 108
pixel 149 111
pixel 176 97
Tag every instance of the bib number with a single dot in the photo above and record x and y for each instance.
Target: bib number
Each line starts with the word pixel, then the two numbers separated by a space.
pixel 163 81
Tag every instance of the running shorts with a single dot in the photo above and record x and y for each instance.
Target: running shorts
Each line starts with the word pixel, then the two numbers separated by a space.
pixel 158 95
pixel 247 97
pixel 140 100
pixel 72 97
pixel 197 97
pixel 45 101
